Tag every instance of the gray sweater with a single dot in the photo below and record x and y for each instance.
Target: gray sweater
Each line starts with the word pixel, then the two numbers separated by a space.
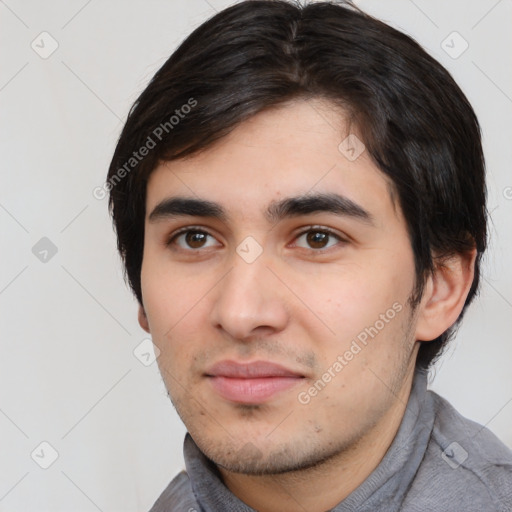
pixel 439 461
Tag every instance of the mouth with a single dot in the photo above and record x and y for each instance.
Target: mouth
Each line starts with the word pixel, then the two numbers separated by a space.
pixel 251 383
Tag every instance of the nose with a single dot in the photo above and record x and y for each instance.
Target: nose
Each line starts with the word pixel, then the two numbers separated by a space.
pixel 249 300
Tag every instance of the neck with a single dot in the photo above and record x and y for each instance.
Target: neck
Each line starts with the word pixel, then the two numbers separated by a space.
pixel 325 485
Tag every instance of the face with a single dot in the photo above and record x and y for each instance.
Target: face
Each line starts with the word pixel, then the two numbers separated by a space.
pixel 283 325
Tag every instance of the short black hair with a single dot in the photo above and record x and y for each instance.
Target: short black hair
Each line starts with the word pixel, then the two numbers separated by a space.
pixel 415 121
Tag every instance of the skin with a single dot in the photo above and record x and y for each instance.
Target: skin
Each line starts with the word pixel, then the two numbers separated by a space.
pixel 298 304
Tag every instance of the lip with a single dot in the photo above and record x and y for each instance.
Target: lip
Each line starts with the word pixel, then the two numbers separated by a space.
pixel 253 370
pixel 251 383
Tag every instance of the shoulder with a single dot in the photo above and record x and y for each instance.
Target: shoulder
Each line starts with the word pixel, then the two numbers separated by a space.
pixel 177 496
pixel 465 464
pixel 486 447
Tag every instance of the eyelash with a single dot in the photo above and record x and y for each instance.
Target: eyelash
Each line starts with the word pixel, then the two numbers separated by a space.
pixel 319 229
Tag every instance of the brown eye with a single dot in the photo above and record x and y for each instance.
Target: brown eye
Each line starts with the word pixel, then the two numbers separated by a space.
pixel 318 239
pixel 192 239
pixel 195 239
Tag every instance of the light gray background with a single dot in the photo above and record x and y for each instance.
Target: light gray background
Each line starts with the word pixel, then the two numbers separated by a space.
pixel 68 374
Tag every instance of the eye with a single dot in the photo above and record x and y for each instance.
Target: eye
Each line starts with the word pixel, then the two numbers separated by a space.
pixel 191 239
pixel 318 238
pixel 314 238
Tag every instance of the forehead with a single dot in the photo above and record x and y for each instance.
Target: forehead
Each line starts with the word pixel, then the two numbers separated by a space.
pixel 294 150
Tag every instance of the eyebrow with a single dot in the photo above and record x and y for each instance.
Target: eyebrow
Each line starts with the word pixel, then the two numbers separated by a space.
pixel 174 207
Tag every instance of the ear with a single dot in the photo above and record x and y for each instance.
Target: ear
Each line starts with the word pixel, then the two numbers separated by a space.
pixel 143 319
pixel 445 294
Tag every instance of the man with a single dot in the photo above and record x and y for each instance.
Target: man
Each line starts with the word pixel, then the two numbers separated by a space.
pixel 299 200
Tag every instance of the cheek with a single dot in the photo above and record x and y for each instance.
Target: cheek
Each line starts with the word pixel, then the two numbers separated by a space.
pixel 168 298
pixel 356 304
pixel 175 309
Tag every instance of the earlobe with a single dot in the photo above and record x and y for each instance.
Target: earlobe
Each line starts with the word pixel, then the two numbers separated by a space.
pixel 445 294
pixel 143 319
